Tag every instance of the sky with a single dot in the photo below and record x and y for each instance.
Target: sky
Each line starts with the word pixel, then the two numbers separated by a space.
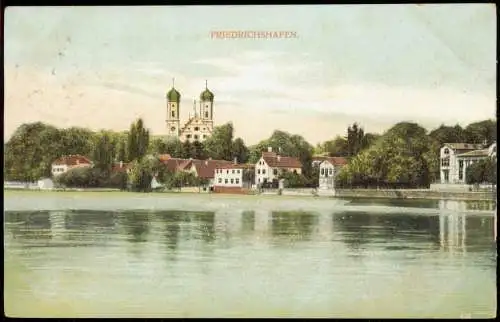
pixel 103 67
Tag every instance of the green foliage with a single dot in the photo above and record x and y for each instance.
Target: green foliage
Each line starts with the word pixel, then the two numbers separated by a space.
pixel 482 171
pixel 240 151
pixel 184 179
pixel 287 145
pixel 138 141
pixel 173 146
pixel 402 157
pixel 482 132
pixel 219 144
pixel 84 177
pixel 294 180
pixel 104 152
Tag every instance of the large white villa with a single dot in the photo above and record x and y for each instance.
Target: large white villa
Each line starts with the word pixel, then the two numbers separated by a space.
pixel 456 157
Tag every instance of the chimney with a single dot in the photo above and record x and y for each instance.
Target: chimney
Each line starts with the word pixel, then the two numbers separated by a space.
pixel 269 149
pixel 279 150
pixel 235 161
pixel 77 161
pixel 121 164
pixel 279 157
pixel 206 162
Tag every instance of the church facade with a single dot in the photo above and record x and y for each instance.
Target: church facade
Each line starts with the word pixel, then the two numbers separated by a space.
pixel 200 123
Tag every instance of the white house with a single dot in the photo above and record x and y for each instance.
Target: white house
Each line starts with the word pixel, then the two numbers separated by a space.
pixel 67 162
pixel 231 176
pixel 271 165
pixel 456 157
pixel 328 169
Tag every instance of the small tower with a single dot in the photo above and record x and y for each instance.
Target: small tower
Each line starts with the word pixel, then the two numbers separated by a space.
pixel 173 111
pixel 207 105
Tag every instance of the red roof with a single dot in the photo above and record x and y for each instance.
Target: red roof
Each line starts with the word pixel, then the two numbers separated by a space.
pixel 236 166
pixel 336 160
pixel 173 163
pixel 277 161
pixel 204 168
pixel 71 160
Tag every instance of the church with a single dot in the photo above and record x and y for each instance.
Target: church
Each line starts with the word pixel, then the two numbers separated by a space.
pixel 200 123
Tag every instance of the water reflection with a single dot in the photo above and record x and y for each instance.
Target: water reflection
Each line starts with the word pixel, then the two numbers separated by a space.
pixel 293 225
pixel 136 225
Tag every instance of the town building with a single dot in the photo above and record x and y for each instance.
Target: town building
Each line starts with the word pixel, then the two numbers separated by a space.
pixel 68 162
pixel 232 177
pixel 329 168
pixel 200 123
pixel 204 169
pixel 456 157
pixel 271 165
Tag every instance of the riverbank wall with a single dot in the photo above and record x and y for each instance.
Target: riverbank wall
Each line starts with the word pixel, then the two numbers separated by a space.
pixel 415 194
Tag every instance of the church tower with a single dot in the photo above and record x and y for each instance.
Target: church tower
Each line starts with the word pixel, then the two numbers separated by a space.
pixel 173 111
pixel 207 106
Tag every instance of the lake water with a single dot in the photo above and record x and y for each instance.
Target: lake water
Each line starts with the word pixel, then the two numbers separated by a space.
pixel 120 255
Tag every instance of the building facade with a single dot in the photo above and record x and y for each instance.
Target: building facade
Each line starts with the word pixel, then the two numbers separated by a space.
pixel 328 170
pixel 271 165
pixel 68 162
pixel 200 123
pixel 232 176
pixel 456 157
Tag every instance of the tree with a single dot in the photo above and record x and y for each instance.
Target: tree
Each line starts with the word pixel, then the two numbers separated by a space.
pixel 482 132
pixel 173 146
pixel 240 151
pixel 402 157
pixel 482 171
pixel 157 146
pixel 336 147
pixel 219 144
pixel 122 151
pixel 198 150
pixel 138 141
pixel 355 136
pixel 448 134
pixel 187 149
pixel 103 154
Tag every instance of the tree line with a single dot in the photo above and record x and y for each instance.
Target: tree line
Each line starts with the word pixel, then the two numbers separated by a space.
pixel 404 156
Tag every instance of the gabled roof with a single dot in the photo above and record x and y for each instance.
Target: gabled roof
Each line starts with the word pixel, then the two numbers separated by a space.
pixel 206 168
pixel 71 160
pixel 475 153
pixel 277 161
pixel 464 146
pixel 336 160
pixel 173 163
pixel 236 166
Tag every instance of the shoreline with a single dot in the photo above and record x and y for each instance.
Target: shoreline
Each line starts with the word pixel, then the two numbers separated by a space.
pixel 296 194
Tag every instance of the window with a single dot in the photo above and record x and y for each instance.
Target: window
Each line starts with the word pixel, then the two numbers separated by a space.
pixel 258 180
pixel 446 151
pixel 206 114
pixel 295 171
pixel 227 171
pixel 173 113
pixel 188 136
pixel 220 180
pixel 232 181
pixel 238 171
pixel 330 171
pixel 258 171
pixel 445 162
pixel 460 170
pixel 263 171
pixel 232 171
pixel 204 136
pixel 225 181
pixel 322 171
pixel 172 128
pixel 237 181
pixel 196 137
pixel 196 128
pixel 275 171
